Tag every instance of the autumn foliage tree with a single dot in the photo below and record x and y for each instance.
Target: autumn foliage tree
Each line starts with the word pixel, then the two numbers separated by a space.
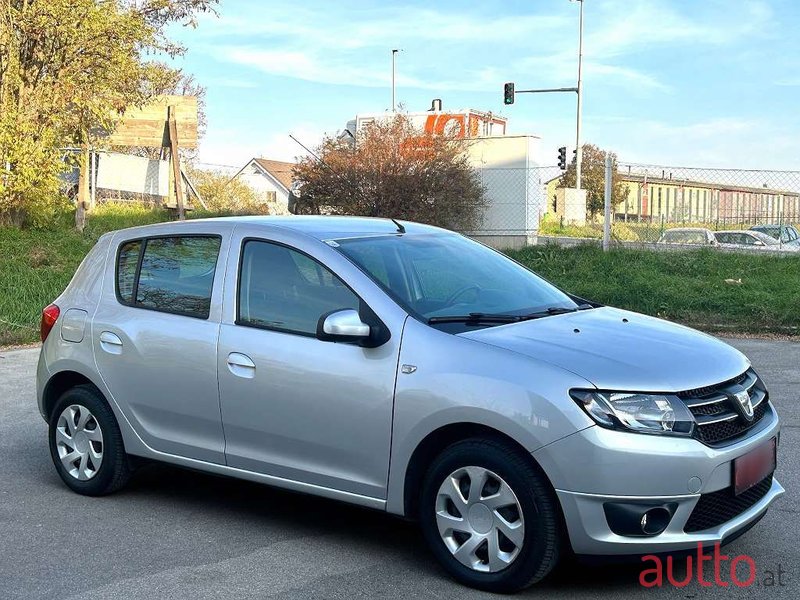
pixel 66 67
pixel 593 179
pixel 393 170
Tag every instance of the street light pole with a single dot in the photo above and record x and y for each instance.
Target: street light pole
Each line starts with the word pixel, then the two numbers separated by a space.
pixel 578 148
pixel 394 56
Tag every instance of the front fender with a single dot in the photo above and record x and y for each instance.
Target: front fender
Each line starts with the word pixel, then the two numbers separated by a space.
pixel 458 380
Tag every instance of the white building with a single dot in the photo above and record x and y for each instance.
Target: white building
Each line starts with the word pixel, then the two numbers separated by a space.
pixel 515 189
pixel 272 179
pixel 464 122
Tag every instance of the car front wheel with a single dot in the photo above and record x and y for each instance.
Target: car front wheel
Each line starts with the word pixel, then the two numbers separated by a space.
pixel 490 517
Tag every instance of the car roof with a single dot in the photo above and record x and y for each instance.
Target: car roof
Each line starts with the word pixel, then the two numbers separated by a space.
pixel 771 227
pixel 686 230
pixel 746 231
pixel 322 227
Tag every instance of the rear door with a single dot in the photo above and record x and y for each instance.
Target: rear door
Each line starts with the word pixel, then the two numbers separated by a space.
pixel 155 336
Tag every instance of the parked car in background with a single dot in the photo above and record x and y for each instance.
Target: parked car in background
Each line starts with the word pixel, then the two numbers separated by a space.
pixel 408 369
pixel 787 235
pixel 752 240
pixel 688 235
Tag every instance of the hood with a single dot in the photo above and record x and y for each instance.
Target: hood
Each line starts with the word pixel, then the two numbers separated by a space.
pixel 620 350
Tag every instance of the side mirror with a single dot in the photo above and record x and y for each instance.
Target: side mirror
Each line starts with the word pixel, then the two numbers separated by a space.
pixel 343 326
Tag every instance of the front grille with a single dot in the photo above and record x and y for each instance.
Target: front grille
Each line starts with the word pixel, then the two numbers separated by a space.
pixel 726 430
pixel 716 508
pixel 714 409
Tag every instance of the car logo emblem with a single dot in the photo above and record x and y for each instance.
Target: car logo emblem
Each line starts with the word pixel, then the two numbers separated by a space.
pixel 744 404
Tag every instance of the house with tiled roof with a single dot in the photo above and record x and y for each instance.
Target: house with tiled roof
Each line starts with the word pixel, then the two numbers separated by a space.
pixel 272 179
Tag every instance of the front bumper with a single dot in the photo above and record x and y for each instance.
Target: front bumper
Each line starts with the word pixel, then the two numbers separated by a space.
pixel 597 466
pixel 590 534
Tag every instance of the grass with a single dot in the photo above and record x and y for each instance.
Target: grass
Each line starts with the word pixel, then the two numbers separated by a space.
pixel 36 265
pixel 688 287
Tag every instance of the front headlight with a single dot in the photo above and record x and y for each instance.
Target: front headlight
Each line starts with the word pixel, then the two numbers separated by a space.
pixel 643 413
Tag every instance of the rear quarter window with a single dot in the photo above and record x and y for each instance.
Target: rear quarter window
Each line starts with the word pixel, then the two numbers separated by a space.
pixel 168 274
pixel 126 269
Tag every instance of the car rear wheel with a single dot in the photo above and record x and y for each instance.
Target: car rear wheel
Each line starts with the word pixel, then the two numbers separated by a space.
pixel 490 517
pixel 86 444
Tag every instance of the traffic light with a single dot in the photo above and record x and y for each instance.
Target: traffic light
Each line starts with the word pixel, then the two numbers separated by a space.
pixel 508 93
pixel 562 158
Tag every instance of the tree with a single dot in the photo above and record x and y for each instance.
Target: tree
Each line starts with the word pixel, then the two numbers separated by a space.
pixel 393 170
pixel 66 66
pixel 593 179
pixel 225 195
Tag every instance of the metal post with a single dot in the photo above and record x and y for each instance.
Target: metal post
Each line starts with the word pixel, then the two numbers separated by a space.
pixel 93 178
pixel 394 57
pixel 578 148
pixel 607 221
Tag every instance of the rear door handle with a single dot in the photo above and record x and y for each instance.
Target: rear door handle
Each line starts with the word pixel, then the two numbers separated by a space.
pixel 241 365
pixel 110 342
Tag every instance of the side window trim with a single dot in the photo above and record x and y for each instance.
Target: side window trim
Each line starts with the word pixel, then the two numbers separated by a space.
pixel 137 273
pixel 117 256
pixel 142 249
pixel 364 308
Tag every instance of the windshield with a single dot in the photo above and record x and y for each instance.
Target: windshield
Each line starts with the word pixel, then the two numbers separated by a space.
pixel 444 275
pixel 768 240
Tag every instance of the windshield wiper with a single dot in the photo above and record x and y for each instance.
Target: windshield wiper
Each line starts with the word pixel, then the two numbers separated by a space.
pixel 476 318
pixel 555 310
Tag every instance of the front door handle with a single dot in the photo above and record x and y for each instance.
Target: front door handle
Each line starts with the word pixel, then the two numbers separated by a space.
pixel 110 342
pixel 241 365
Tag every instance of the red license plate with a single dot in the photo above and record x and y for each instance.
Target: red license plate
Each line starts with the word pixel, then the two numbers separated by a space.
pixel 754 466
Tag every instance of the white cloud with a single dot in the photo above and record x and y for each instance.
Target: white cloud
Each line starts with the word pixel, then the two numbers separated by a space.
pixel 477 48
pixel 639 23
pixel 350 44
pixel 724 142
pixel 225 149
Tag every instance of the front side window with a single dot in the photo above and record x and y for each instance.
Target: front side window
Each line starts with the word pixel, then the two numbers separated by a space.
pixel 285 290
pixel 169 274
pixel 448 275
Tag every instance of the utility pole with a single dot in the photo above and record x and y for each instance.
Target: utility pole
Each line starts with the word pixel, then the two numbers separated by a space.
pixel 607 201
pixel 509 93
pixel 394 59
pixel 579 149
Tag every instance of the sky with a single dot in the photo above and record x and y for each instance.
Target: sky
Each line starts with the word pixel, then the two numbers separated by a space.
pixel 706 83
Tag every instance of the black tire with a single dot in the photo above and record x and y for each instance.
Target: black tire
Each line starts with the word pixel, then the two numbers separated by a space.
pixel 542 541
pixel 114 470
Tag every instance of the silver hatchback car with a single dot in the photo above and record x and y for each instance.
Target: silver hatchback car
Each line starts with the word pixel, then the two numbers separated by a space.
pixel 407 369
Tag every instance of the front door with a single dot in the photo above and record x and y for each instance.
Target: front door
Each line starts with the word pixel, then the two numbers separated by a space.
pixel 293 406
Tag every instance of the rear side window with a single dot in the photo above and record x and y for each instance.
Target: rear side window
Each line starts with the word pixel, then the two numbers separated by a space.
pixel 169 274
pixel 285 290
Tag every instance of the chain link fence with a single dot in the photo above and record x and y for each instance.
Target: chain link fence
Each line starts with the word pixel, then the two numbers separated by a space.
pixel 652 205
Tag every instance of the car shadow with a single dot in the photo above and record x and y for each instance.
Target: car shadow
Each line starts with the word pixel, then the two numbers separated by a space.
pixel 262 505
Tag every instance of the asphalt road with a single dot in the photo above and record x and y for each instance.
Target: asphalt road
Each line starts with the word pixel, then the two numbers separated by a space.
pixel 179 534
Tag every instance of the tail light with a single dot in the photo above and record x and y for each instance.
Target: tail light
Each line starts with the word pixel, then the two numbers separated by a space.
pixel 49 318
